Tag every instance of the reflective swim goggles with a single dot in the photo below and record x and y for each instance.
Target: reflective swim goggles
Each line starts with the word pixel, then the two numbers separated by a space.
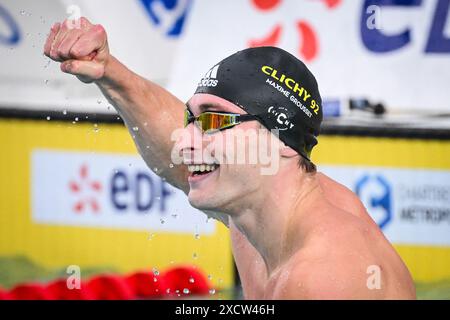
pixel 212 121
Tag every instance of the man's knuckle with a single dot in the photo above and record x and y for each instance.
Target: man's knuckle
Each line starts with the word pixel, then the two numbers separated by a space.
pixel 65 25
pixel 53 54
pixel 60 51
pixel 75 51
pixel 99 29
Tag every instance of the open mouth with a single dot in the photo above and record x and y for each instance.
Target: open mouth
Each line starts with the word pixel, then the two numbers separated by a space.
pixel 202 169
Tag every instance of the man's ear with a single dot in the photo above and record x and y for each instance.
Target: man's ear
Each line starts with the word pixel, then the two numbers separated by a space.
pixel 287 152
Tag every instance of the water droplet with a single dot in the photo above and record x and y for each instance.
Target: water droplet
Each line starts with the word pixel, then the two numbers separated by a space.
pixel 99 101
pixel 197 236
pixel 151 236
pixel 220 280
pixel 147 147
pixel 129 164
pixel 186 291
pixel 195 255
pixel 76 118
pixel 168 290
pixel 155 169
pixel 171 165
pixel 48 118
pixel 108 107
pixel 155 279
pixel 155 271
pixel 191 280
pixel 209 277
pixel 135 129
pixel 212 291
pixel 162 221
pixel 174 215
pixel 22 12
pixel 46 81
pixel 64 112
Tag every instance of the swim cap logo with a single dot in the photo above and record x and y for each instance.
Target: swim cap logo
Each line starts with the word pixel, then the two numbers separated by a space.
pixel 210 78
pixel 281 116
pixel 298 94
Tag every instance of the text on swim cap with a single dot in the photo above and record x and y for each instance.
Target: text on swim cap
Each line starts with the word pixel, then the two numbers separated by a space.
pixel 292 85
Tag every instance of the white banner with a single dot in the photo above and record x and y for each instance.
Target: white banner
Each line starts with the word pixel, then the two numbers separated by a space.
pixel 108 190
pixel 411 206
pixel 143 34
pixel 397 54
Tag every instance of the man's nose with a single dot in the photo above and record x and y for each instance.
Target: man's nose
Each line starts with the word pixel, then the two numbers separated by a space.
pixel 190 142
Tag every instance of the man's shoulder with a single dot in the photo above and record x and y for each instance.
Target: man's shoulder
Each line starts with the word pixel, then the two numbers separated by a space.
pixel 337 227
pixel 327 276
pixel 333 262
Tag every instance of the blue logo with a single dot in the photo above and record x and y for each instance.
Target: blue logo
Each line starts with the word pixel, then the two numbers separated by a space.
pixel 377 41
pixel 140 192
pixel 375 192
pixel 168 15
pixel 14 33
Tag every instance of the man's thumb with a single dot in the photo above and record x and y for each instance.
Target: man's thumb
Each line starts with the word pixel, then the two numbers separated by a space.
pixel 86 69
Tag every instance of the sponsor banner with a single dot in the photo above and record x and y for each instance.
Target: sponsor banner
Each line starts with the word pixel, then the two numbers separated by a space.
pixel 79 194
pixel 108 190
pixel 412 206
pixel 394 52
pixel 143 34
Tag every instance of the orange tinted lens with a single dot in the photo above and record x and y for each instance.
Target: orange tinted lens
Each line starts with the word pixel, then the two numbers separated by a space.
pixel 215 121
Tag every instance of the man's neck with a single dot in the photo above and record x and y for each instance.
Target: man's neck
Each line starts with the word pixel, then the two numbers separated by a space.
pixel 266 220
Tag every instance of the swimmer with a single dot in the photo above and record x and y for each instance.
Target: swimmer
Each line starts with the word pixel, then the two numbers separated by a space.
pixel 296 233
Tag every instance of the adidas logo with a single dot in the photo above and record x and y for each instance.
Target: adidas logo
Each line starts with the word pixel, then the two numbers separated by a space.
pixel 210 78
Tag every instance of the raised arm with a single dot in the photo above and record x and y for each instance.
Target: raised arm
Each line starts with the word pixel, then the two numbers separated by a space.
pixel 150 112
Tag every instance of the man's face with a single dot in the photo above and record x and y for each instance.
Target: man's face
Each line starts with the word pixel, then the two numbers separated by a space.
pixel 231 157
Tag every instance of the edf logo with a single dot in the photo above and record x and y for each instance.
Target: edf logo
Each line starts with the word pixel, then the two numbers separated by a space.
pixel 437 41
pixel 129 192
pixel 375 192
pixel 167 15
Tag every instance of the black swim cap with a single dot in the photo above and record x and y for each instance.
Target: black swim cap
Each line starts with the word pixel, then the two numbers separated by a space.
pixel 275 86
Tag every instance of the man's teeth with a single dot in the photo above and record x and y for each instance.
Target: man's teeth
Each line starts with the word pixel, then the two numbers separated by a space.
pixel 202 167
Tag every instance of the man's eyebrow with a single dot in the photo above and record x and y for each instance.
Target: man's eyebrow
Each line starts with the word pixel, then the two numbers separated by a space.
pixel 206 107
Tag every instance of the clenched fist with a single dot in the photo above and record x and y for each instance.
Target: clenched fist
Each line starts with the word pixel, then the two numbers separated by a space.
pixel 81 46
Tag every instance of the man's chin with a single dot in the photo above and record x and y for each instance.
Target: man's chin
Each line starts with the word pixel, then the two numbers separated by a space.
pixel 201 201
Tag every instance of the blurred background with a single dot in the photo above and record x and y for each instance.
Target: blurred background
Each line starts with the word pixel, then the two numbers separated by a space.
pixel 80 209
